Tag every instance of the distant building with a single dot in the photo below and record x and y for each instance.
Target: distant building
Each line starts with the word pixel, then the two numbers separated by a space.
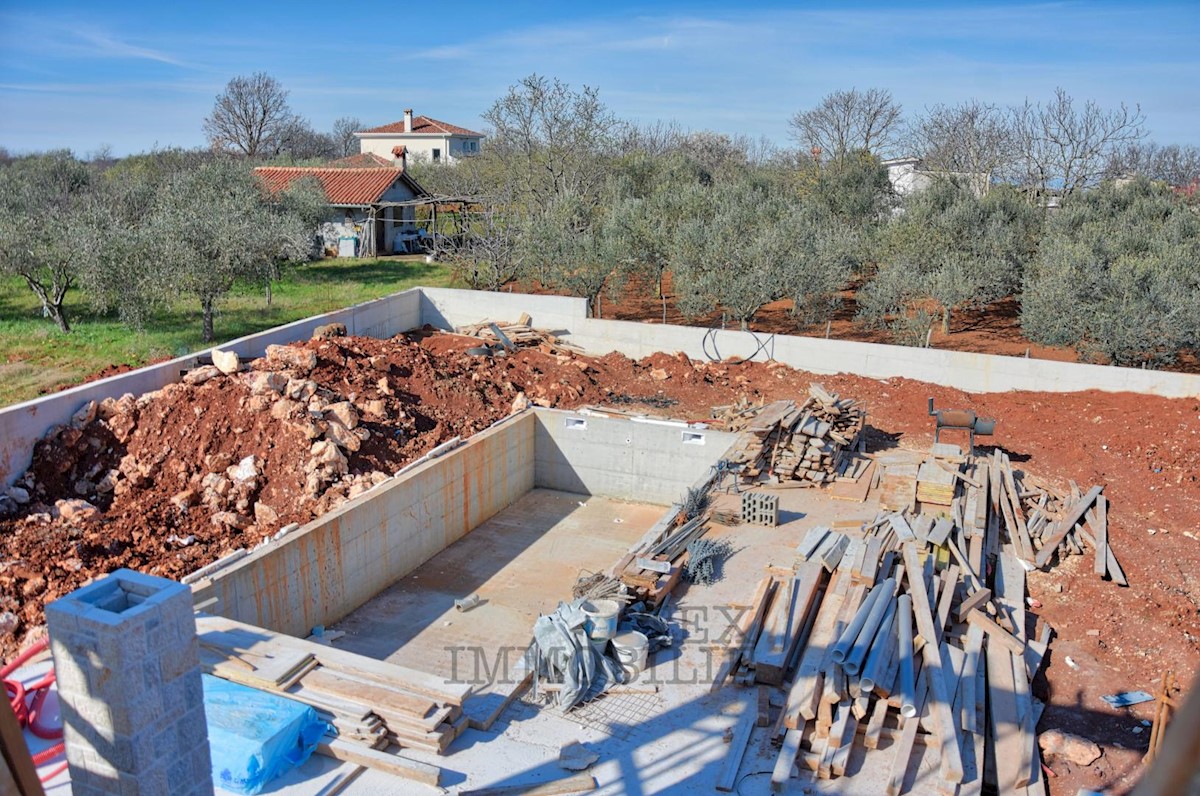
pixel 420 136
pixel 908 176
pixel 371 203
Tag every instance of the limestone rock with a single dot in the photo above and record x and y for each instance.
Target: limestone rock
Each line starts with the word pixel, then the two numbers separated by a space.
pixel 184 499
pixel 109 482
pixel 1072 748
pixel 344 413
pixel 300 389
pixel 345 439
pixel 75 510
pixel 8 624
pixel 231 520
pixel 266 382
pixel 201 374
pixel 226 361
pixel 329 331
pixel 20 496
pixel 86 414
pixel 520 403
pixel 384 386
pixel 217 461
pixel 284 408
pixel 659 374
pixel 375 408
pixel 265 515
pixel 300 360
pixel 326 456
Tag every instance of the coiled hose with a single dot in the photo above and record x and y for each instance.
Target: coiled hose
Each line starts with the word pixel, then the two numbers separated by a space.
pixel 29 712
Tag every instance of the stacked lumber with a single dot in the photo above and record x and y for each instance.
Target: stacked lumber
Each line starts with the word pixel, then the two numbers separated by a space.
pixel 371 703
pixel 653 566
pixel 521 334
pixel 816 441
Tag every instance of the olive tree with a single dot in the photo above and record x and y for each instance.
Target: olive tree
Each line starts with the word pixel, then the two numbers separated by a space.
pixel 212 226
pixel 1116 276
pixel 50 233
pixel 949 250
pixel 580 248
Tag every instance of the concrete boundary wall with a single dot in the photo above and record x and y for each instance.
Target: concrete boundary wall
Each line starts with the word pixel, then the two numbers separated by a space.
pixel 629 460
pixel 447 307
pixel 23 424
pixel 326 569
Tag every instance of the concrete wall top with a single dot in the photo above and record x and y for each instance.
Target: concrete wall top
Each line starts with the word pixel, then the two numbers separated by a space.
pixel 446 307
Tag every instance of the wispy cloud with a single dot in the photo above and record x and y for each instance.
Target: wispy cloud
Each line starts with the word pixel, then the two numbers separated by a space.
pixel 102 44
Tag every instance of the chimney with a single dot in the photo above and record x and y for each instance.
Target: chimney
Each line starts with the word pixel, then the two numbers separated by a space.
pixel 401 155
pixel 408 120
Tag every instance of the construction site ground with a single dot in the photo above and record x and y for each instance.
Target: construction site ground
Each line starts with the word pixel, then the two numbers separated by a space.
pixel 1144 450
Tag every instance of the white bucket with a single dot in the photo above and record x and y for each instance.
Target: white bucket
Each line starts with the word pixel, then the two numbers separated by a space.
pixel 632 649
pixel 601 618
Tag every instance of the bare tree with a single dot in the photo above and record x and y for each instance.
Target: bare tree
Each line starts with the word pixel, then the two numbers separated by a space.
pixel 251 117
pixel 971 143
pixel 1064 147
pixel 846 121
pixel 553 140
pixel 1172 164
pixel 344 140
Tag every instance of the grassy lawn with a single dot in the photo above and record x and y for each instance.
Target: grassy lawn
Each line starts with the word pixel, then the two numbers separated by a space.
pixel 35 358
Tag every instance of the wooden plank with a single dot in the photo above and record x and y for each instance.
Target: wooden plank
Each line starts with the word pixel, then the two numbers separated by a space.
pixel 579 783
pixel 789 615
pixel 804 693
pixel 786 759
pixel 939 685
pixel 997 634
pixel 1101 544
pixel 740 632
pixel 375 759
pixel 975 600
pixel 334 658
pixel 1014 500
pixel 1005 721
pixel 1064 526
pixel 15 753
pixel 845 741
pixel 324 681
pixel 1009 587
pixel 746 717
pixel 908 737
pixel 1114 569
pixel 875 723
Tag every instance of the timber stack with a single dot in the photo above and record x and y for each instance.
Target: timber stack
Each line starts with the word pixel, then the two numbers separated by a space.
pixel 816 441
pixel 511 336
pixel 910 631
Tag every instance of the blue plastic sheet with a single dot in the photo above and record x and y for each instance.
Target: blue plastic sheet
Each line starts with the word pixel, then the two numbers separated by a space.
pixel 256 736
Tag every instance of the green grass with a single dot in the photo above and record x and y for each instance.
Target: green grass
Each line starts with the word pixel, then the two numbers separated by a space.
pixel 35 358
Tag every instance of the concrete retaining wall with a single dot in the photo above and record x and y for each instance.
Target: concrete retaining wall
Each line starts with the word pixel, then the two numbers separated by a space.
pixel 323 571
pixel 445 307
pixel 23 424
pixel 628 460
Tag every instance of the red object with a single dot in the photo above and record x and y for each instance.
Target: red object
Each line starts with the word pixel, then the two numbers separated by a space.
pixel 29 712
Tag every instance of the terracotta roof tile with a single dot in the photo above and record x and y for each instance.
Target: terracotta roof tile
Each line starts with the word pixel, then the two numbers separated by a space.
pixel 343 186
pixel 424 125
pixel 363 160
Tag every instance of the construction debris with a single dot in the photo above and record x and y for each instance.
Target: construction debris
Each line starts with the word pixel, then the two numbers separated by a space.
pixel 816 441
pixel 511 336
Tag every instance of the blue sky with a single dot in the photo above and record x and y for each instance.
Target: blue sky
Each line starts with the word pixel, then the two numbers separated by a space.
pixel 138 75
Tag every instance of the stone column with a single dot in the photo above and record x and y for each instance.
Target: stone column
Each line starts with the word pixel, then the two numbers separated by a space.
pixel 128 667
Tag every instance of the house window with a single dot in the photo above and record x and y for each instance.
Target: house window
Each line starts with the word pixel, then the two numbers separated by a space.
pixel 473 146
pixel 437 155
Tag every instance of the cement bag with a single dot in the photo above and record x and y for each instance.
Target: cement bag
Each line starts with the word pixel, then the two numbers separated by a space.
pixel 255 736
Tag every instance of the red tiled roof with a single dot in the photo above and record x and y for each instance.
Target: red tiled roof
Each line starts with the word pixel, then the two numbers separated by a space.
pixel 424 125
pixel 343 186
pixel 364 160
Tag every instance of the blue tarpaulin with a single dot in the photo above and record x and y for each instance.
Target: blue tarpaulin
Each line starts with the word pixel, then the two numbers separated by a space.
pixel 256 736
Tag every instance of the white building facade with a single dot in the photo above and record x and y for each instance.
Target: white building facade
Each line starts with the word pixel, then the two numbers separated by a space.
pixel 422 137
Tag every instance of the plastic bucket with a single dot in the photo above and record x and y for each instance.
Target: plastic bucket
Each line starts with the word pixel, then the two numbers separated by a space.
pixel 632 649
pixel 601 618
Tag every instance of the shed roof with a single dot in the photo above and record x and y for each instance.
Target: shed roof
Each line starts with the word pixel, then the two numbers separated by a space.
pixel 343 186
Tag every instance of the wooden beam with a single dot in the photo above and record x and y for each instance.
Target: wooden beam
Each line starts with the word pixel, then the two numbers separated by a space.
pixel 743 728
pixel 998 634
pixel 939 686
pixel 16 758
pixel 747 620
pixel 786 760
pixel 1064 526
pixel 580 783
pixel 378 760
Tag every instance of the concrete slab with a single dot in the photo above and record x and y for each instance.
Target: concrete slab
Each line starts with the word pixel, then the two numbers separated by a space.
pixel 522 563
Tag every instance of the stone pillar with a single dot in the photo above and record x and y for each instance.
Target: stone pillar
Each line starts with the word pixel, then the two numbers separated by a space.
pixel 128 667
